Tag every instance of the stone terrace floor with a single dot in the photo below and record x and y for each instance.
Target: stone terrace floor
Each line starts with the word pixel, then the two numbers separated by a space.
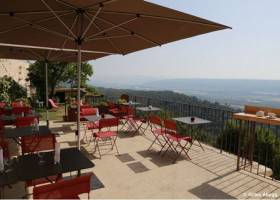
pixel 139 174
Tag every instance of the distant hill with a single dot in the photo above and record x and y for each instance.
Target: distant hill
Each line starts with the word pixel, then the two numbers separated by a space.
pixel 234 92
pixel 163 96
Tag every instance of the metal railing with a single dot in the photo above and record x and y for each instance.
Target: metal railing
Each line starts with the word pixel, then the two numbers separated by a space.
pixel 222 133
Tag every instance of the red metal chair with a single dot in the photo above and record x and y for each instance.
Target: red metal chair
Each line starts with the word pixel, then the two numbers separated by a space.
pixel 130 120
pixel 108 135
pixel 25 121
pixel 157 130
pixel 89 125
pixel 64 189
pixel 20 110
pixel 37 143
pixel 175 141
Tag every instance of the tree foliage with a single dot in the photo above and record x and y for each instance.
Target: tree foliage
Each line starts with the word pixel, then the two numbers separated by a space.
pixel 11 90
pixel 58 72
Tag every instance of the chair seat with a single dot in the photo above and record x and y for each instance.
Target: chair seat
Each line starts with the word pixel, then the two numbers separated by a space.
pixel 176 137
pixel 93 125
pixel 106 134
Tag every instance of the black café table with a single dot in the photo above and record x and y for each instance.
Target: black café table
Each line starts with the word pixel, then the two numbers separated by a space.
pixel 28 167
pixel 16 133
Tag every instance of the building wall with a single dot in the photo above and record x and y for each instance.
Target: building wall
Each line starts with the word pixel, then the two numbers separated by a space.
pixel 17 69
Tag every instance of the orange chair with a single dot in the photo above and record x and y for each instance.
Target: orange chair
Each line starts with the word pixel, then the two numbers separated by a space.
pixel 64 189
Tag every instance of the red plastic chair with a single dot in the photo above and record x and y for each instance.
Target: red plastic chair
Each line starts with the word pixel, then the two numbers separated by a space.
pixel 175 141
pixel 64 189
pixel 157 130
pixel 108 135
pixel 20 110
pixel 25 121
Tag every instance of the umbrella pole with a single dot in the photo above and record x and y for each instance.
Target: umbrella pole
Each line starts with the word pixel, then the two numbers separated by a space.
pixel 79 95
pixel 47 93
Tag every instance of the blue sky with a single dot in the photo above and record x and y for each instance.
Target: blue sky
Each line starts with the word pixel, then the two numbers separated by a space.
pixel 249 51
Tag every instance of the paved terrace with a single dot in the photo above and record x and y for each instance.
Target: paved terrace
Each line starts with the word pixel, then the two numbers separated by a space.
pixel 137 173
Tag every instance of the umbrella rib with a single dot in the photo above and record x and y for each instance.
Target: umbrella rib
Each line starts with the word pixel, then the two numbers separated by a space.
pixel 165 18
pixel 91 22
pixel 35 12
pixel 59 19
pixel 111 37
pixel 73 25
pixel 43 28
pixel 111 28
pixel 91 7
pixel 131 32
pixel 108 39
pixel 66 4
pixel 28 24
pixel 35 54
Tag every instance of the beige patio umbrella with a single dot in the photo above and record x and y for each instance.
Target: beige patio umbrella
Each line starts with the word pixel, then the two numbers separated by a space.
pixel 47 55
pixel 112 26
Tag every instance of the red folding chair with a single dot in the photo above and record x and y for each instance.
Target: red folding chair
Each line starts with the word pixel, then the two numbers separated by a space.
pixel 25 121
pixel 130 120
pixel 17 104
pixel 106 135
pixel 175 141
pixel 89 125
pixel 157 130
pixel 64 189
pixel 39 143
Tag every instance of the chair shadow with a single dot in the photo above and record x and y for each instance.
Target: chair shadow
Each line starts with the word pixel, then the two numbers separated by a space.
pixel 126 134
pixel 206 191
pixel 160 160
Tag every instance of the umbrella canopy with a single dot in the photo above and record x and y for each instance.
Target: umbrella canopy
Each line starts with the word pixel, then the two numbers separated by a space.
pixel 113 26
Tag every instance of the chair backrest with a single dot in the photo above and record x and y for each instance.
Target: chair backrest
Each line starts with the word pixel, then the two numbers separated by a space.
pixel 2 104
pixel 17 104
pixel 25 121
pixel 254 109
pixel 64 189
pixel 53 103
pixel 108 122
pixel 35 143
pixel 19 110
pixel 154 119
pixel 170 125
pixel 88 111
pixel 111 105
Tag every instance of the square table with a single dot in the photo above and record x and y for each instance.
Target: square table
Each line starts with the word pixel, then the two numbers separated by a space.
pixel 71 159
pixel 27 167
pixel 15 133
pixel 196 122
